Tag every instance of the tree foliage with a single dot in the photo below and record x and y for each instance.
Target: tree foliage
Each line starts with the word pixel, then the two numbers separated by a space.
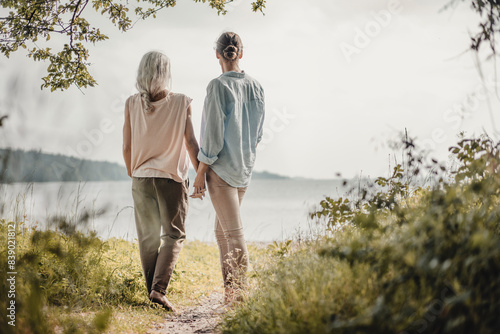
pixel 489 26
pixel 29 24
pixel 35 166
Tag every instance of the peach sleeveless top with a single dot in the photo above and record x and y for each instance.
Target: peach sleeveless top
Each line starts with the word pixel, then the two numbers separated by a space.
pixel 157 144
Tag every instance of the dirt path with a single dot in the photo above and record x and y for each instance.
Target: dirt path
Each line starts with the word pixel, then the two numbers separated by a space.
pixel 202 318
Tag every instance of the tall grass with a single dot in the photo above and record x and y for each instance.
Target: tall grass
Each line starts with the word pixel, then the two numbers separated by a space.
pixel 72 281
pixel 400 259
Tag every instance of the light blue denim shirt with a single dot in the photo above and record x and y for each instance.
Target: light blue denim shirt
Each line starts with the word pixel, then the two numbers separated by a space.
pixel 232 126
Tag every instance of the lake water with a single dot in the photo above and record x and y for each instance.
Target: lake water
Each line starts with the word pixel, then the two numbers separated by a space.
pixel 272 210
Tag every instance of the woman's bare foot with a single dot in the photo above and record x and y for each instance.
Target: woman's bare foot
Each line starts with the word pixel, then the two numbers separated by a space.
pixel 161 299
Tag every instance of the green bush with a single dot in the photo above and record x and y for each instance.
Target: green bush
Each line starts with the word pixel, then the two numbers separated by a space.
pixel 69 281
pixel 68 268
pixel 399 259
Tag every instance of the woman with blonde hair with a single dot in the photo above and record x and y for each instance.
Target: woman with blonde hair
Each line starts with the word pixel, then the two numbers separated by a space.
pixel 158 136
pixel 232 125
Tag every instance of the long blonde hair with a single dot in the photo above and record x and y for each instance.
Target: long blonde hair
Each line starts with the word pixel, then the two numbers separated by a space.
pixel 153 76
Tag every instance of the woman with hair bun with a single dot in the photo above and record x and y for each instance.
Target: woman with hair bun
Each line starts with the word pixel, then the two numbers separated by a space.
pixel 158 136
pixel 232 126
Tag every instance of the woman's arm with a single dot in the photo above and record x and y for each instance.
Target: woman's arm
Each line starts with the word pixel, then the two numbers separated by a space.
pixel 127 139
pixel 191 142
pixel 213 125
pixel 193 150
pixel 212 135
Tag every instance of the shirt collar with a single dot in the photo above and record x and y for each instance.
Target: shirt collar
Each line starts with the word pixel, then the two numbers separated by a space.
pixel 234 74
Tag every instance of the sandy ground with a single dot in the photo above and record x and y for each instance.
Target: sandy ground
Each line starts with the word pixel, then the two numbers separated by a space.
pixel 202 318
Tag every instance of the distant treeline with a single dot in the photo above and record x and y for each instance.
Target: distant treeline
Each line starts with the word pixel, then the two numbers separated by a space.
pixel 35 166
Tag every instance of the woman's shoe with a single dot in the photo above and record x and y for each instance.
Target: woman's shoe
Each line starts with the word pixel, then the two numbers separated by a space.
pixel 158 298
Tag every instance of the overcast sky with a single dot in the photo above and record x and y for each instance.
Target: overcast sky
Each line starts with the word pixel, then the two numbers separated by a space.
pixel 342 77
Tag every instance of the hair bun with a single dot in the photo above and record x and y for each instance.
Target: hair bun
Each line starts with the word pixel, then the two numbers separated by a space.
pixel 229 46
pixel 231 52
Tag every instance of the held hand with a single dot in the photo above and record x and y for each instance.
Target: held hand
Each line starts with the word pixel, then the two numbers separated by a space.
pixel 199 186
pixel 200 196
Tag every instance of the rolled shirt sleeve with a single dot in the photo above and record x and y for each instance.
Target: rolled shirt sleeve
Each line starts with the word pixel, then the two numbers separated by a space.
pixel 212 126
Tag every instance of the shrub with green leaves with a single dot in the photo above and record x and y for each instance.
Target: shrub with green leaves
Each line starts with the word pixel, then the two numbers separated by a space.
pixel 400 259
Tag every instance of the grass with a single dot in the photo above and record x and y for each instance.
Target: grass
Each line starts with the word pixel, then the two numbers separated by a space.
pixel 298 291
pixel 122 320
pixel 73 282
pixel 400 259
pixel 70 282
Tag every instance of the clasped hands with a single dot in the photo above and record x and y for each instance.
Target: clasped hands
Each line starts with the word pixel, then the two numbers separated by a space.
pixel 199 186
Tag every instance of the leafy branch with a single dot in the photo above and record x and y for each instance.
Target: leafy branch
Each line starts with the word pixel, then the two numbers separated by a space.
pixel 489 26
pixel 29 23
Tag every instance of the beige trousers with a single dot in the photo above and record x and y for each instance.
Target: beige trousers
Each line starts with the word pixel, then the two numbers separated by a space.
pixel 229 229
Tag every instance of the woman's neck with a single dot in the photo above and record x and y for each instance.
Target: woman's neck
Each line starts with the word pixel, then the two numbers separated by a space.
pixel 230 66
